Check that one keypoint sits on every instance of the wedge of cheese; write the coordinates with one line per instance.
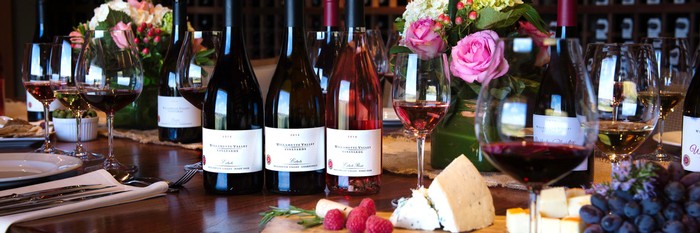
(553, 203)
(461, 197)
(415, 212)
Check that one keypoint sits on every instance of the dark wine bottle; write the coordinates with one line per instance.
(332, 43)
(294, 116)
(690, 144)
(42, 34)
(354, 114)
(556, 100)
(178, 119)
(232, 116)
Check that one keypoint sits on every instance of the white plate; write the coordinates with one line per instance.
(18, 169)
(672, 138)
(19, 142)
(389, 117)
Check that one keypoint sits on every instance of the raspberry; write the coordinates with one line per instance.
(368, 203)
(334, 220)
(356, 220)
(378, 225)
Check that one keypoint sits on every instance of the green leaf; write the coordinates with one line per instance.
(533, 17)
(492, 19)
(205, 53)
(112, 19)
(500, 93)
(452, 9)
(399, 23)
(399, 49)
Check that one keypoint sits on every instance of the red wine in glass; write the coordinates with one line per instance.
(110, 101)
(535, 163)
(420, 116)
(194, 95)
(41, 90)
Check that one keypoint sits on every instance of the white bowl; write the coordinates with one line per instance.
(66, 129)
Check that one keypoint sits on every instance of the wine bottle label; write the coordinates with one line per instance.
(177, 112)
(691, 144)
(354, 153)
(34, 105)
(232, 151)
(294, 150)
(558, 129)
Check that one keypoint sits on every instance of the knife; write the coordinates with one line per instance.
(54, 196)
(55, 203)
(45, 191)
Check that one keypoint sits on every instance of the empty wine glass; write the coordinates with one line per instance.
(66, 53)
(420, 96)
(675, 73)
(38, 80)
(196, 62)
(625, 81)
(110, 76)
(323, 47)
(505, 123)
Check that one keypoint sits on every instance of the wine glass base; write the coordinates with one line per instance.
(91, 161)
(658, 157)
(195, 166)
(119, 171)
(51, 150)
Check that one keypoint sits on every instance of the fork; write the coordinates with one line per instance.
(172, 186)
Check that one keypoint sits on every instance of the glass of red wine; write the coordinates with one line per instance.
(675, 72)
(420, 96)
(66, 52)
(196, 62)
(507, 122)
(39, 81)
(624, 78)
(109, 76)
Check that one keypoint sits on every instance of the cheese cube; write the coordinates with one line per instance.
(575, 204)
(575, 192)
(549, 224)
(571, 224)
(553, 203)
(518, 220)
(461, 197)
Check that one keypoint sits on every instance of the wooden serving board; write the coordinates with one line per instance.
(282, 224)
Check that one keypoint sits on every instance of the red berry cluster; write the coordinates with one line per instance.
(464, 12)
(362, 218)
(145, 34)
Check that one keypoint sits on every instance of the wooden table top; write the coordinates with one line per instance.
(192, 210)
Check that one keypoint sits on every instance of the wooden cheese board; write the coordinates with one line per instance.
(283, 224)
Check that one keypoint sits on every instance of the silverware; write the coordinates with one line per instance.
(8, 204)
(172, 186)
(54, 203)
(44, 192)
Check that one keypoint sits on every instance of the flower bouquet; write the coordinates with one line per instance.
(468, 30)
(152, 28)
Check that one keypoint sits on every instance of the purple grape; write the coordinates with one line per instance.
(645, 223)
(600, 202)
(675, 191)
(611, 222)
(690, 179)
(693, 193)
(627, 227)
(674, 227)
(675, 171)
(673, 212)
(659, 219)
(632, 209)
(693, 209)
(651, 206)
(617, 205)
(593, 228)
(590, 214)
(691, 225)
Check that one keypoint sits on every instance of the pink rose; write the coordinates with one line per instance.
(119, 36)
(526, 28)
(479, 57)
(141, 5)
(76, 39)
(422, 39)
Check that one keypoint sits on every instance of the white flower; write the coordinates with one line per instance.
(100, 15)
(419, 9)
(497, 5)
(119, 5)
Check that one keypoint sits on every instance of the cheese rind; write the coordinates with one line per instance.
(553, 203)
(461, 197)
(415, 212)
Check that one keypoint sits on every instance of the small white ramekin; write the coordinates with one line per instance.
(65, 129)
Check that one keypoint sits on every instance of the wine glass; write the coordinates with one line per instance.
(420, 96)
(66, 51)
(377, 50)
(196, 62)
(506, 123)
(625, 81)
(675, 73)
(109, 77)
(323, 47)
(38, 80)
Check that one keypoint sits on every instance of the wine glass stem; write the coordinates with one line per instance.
(534, 209)
(420, 141)
(47, 139)
(79, 151)
(660, 147)
(110, 137)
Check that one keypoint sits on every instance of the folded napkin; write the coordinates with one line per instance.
(96, 177)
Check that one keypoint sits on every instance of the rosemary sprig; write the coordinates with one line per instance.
(307, 218)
